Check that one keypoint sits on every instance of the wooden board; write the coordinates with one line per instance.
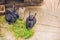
(2, 8)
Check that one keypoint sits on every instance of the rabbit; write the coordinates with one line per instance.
(30, 21)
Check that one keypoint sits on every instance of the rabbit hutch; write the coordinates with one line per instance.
(9, 3)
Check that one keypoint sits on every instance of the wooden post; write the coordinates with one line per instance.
(2, 8)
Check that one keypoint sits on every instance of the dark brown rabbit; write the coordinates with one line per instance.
(30, 21)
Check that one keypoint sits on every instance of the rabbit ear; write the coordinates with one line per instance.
(35, 14)
(29, 13)
(14, 6)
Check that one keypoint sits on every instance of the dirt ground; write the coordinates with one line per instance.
(48, 22)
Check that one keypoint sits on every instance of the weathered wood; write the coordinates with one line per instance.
(2, 1)
(25, 3)
(2, 8)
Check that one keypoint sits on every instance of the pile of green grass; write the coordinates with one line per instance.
(19, 29)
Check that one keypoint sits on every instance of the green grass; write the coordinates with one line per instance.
(2, 19)
(18, 29)
(1, 34)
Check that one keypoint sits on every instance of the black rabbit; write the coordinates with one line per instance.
(30, 21)
(11, 16)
